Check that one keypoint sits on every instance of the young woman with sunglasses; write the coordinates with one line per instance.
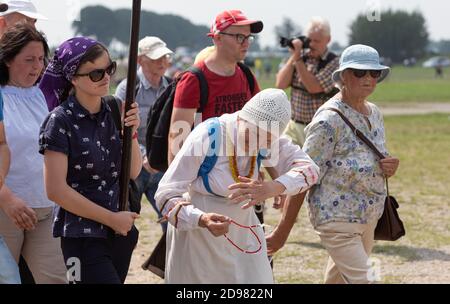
(82, 154)
(347, 203)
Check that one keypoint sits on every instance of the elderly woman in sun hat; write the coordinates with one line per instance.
(213, 236)
(348, 199)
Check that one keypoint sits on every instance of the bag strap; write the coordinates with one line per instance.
(204, 94)
(361, 136)
(113, 104)
(249, 75)
(214, 135)
(358, 133)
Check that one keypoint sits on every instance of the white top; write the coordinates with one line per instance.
(296, 169)
(24, 111)
(193, 254)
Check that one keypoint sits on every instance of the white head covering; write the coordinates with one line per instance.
(24, 7)
(268, 107)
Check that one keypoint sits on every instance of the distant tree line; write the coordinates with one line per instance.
(398, 35)
(107, 24)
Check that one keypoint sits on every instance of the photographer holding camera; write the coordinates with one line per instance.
(308, 72)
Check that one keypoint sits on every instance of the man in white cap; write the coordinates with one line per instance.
(154, 60)
(19, 11)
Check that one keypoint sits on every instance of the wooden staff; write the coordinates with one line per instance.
(131, 81)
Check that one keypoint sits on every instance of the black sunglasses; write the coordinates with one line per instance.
(99, 74)
(362, 73)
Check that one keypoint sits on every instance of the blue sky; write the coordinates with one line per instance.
(339, 13)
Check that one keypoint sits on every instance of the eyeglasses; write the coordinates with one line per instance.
(99, 74)
(240, 38)
(362, 73)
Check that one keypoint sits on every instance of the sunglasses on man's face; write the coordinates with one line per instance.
(98, 74)
(362, 73)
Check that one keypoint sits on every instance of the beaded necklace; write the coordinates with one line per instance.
(232, 162)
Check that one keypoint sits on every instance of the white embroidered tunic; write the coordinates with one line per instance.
(194, 255)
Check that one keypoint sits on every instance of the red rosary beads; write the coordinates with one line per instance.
(253, 232)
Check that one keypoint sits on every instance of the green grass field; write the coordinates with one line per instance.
(421, 186)
(404, 85)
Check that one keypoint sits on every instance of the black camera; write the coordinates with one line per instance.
(287, 42)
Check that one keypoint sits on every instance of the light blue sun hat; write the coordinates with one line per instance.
(360, 57)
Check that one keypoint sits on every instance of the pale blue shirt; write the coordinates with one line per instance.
(24, 110)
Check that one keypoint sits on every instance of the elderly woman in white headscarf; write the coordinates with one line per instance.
(214, 236)
(348, 200)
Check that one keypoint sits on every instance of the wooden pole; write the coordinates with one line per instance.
(131, 81)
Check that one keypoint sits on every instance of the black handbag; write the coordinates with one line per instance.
(389, 227)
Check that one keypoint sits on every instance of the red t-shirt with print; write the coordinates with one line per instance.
(227, 94)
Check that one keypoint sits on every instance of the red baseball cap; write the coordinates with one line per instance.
(234, 17)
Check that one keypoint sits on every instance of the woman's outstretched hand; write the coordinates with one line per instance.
(254, 191)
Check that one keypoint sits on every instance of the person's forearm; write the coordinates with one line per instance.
(284, 76)
(272, 172)
(291, 209)
(79, 205)
(170, 154)
(5, 159)
(136, 159)
(6, 195)
(307, 78)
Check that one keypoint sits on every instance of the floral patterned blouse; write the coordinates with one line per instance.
(351, 184)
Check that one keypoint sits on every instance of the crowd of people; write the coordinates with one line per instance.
(60, 155)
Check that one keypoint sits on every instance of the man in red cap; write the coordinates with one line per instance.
(228, 86)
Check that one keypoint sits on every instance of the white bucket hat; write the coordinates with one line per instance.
(269, 106)
(360, 57)
(24, 7)
(153, 47)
